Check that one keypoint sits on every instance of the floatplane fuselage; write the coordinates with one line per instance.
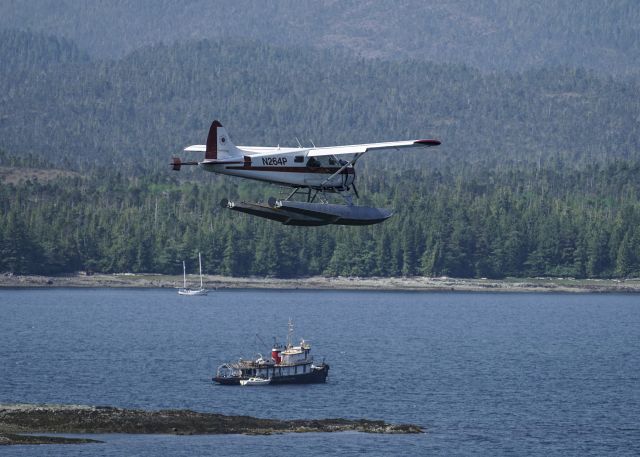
(318, 170)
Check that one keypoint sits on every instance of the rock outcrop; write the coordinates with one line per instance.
(16, 419)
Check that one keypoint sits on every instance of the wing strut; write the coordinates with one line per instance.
(342, 168)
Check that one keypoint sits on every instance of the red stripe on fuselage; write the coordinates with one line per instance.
(323, 170)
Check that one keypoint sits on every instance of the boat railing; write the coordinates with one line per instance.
(228, 370)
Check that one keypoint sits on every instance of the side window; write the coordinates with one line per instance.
(298, 159)
(313, 163)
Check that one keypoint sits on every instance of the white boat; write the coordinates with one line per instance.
(187, 291)
(255, 381)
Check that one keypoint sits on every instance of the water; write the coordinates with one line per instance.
(485, 374)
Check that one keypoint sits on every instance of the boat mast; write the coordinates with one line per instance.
(200, 262)
(184, 273)
(290, 334)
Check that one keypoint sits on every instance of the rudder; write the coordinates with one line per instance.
(219, 146)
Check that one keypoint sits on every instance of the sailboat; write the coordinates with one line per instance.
(185, 290)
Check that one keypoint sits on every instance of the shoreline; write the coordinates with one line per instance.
(424, 284)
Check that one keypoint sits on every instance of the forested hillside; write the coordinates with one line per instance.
(486, 34)
(136, 112)
(471, 222)
(538, 173)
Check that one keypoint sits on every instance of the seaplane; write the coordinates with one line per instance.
(311, 172)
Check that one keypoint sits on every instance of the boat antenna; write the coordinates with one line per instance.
(290, 333)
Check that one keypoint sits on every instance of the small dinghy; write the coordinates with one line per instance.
(255, 382)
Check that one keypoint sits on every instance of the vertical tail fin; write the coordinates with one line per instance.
(219, 146)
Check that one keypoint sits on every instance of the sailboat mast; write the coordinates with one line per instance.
(200, 262)
(184, 274)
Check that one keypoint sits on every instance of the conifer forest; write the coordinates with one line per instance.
(538, 173)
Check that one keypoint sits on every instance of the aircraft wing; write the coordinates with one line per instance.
(362, 148)
(332, 150)
(247, 149)
(196, 148)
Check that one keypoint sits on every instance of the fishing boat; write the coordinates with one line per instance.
(187, 291)
(288, 364)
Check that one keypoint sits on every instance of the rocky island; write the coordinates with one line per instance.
(16, 419)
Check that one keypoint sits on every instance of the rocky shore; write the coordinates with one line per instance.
(10, 438)
(418, 283)
(16, 419)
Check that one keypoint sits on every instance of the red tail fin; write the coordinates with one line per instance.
(212, 141)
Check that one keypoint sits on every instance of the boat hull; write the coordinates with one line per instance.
(317, 376)
(192, 292)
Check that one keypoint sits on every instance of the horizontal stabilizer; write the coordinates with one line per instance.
(177, 163)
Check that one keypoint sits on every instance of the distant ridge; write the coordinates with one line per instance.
(136, 111)
(486, 34)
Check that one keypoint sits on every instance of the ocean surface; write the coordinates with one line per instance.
(484, 374)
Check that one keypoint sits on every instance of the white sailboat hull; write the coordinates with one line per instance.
(192, 292)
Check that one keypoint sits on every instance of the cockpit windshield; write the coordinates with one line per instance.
(324, 161)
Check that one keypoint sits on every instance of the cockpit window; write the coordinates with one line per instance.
(322, 161)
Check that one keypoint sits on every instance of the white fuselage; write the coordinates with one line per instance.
(322, 169)
(286, 166)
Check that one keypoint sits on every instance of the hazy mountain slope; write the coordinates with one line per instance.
(36, 49)
(487, 34)
(145, 107)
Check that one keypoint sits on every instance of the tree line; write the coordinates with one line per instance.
(472, 222)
